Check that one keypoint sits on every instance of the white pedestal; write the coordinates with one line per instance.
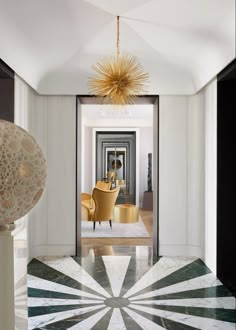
(13, 277)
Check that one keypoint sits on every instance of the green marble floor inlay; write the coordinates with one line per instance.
(41, 270)
(165, 323)
(36, 311)
(129, 293)
(216, 291)
(39, 293)
(228, 315)
(193, 270)
(129, 322)
(67, 322)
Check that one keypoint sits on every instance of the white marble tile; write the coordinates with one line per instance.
(34, 302)
(38, 283)
(21, 291)
(23, 313)
(90, 321)
(71, 268)
(205, 281)
(21, 297)
(142, 321)
(116, 268)
(220, 302)
(20, 303)
(165, 266)
(42, 320)
(21, 323)
(116, 321)
(194, 321)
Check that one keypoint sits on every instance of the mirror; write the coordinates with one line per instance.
(115, 162)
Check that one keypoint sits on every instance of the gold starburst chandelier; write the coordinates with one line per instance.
(119, 78)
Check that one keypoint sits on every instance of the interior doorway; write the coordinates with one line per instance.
(85, 170)
(116, 154)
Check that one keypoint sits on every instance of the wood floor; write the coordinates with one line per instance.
(103, 246)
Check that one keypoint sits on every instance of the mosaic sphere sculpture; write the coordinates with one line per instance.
(22, 172)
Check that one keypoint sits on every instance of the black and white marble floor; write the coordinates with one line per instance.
(127, 292)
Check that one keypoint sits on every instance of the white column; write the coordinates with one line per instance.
(173, 157)
(13, 283)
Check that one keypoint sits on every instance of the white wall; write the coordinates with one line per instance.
(202, 174)
(181, 177)
(38, 218)
(173, 128)
(188, 175)
(210, 174)
(23, 103)
(51, 120)
(196, 173)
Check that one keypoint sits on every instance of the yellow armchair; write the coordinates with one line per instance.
(102, 210)
(87, 200)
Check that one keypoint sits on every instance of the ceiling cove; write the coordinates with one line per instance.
(53, 44)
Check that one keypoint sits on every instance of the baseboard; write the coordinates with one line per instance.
(52, 250)
(69, 249)
(180, 250)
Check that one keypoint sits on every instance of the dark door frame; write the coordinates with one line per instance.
(7, 91)
(145, 99)
(226, 103)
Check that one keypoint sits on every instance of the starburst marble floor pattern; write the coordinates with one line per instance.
(126, 292)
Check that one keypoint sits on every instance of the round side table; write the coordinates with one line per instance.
(126, 213)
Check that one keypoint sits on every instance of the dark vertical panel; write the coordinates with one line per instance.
(78, 177)
(6, 92)
(7, 99)
(226, 165)
(156, 178)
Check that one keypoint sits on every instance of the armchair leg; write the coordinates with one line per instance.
(94, 225)
(110, 224)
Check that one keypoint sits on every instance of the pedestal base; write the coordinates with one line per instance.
(13, 275)
(148, 200)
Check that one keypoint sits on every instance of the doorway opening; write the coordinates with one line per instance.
(106, 135)
(116, 162)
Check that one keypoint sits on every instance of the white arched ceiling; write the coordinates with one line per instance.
(52, 45)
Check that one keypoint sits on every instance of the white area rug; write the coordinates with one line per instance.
(118, 229)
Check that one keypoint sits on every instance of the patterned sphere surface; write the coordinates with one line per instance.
(22, 172)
